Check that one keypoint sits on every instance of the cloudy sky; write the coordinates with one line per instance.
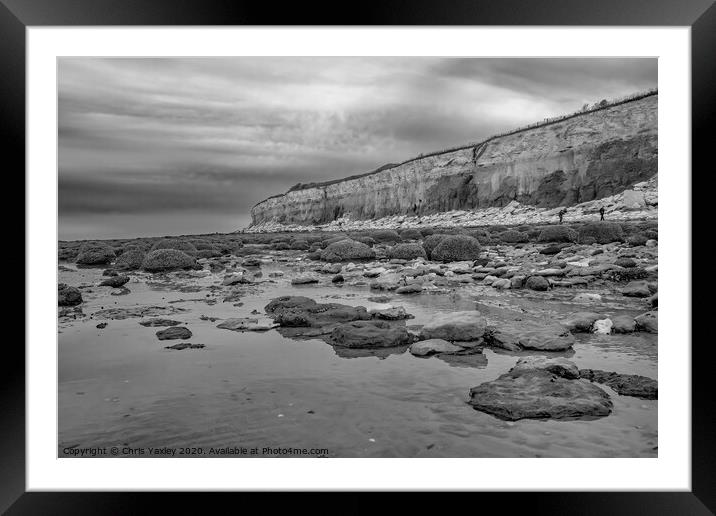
(187, 145)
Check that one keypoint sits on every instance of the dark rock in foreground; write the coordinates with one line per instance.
(625, 384)
(68, 296)
(545, 391)
(175, 332)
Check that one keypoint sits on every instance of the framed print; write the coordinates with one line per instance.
(270, 251)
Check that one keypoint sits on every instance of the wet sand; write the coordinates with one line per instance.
(119, 386)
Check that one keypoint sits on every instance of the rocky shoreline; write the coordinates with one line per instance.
(588, 266)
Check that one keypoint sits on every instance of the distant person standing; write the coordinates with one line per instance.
(601, 213)
(561, 214)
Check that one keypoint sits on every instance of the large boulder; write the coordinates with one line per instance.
(581, 321)
(557, 234)
(623, 324)
(601, 232)
(68, 296)
(162, 260)
(514, 237)
(625, 384)
(539, 283)
(175, 243)
(407, 252)
(539, 394)
(369, 334)
(456, 248)
(94, 253)
(130, 259)
(385, 236)
(456, 326)
(411, 234)
(431, 242)
(347, 250)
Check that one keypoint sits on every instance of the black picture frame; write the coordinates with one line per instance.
(700, 15)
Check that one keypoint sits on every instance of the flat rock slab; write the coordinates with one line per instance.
(413, 288)
(540, 395)
(625, 384)
(136, 311)
(185, 345)
(530, 335)
(246, 324)
(304, 280)
(465, 325)
(175, 332)
(158, 321)
(396, 313)
(369, 334)
(433, 346)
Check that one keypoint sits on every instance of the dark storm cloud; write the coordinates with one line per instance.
(187, 139)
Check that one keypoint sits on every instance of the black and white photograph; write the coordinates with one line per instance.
(388, 257)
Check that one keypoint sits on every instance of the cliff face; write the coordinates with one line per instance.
(578, 159)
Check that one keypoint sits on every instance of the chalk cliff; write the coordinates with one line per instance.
(570, 160)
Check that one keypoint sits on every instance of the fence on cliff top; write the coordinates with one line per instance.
(547, 121)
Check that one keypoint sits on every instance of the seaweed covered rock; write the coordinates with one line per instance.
(407, 251)
(176, 244)
(130, 259)
(514, 237)
(456, 248)
(385, 236)
(95, 254)
(432, 241)
(347, 250)
(411, 234)
(161, 260)
(557, 234)
(68, 296)
(601, 232)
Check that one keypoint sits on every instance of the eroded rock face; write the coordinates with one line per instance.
(533, 393)
(586, 157)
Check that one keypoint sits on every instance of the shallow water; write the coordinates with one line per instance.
(119, 386)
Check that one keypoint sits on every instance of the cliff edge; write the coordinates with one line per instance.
(561, 162)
